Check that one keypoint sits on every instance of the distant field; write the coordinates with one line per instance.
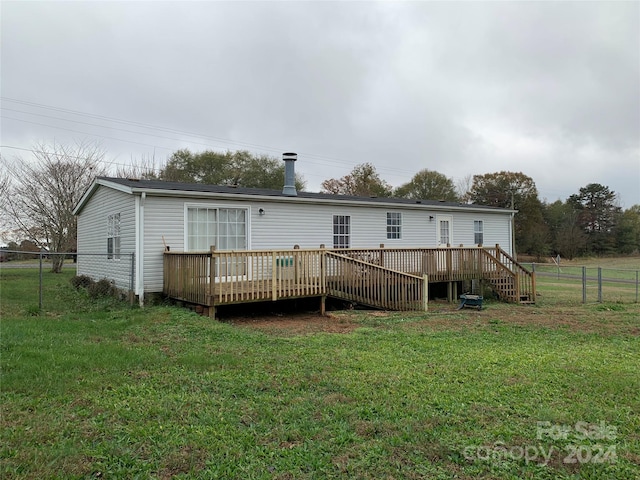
(622, 263)
(94, 389)
(563, 284)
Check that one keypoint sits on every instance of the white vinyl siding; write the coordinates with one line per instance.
(285, 223)
(93, 226)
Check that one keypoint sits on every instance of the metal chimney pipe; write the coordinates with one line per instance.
(289, 174)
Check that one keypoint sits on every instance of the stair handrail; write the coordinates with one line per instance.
(498, 263)
(385, 271)
(370, 265)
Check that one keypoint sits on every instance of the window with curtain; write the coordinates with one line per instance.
(226, 228)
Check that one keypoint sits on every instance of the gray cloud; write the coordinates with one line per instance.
(547, 88)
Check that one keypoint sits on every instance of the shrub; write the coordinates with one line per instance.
(102, 288)
(81, 281)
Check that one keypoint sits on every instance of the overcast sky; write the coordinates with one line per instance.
(550, 89)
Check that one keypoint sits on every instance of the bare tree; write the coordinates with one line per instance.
(4, 196)
(463, 187)
(145, 169)
(4, 186)
(45, 190)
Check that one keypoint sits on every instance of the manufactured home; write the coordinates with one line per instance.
(186, 237)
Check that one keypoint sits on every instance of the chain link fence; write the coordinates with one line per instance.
(42, 278)
(588, 284)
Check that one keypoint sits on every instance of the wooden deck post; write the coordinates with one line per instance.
(323, 305)
(274, 280)
(425, 293)
(297, 268)
(212, 279)
(533, 286)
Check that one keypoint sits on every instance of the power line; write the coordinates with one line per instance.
(321, 159)
(56, 154)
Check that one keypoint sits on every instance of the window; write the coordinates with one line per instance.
(341, 231)
(445, 231)
(113, 237)
(394, 225)
(478, 232)
(226, 228)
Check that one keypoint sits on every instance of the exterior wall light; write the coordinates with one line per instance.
(261, 212)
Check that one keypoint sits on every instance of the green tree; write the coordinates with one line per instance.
(628, 231)
(566, 236)
(363, 181)
(518, 191)
(430, 185)
(240, 168)
(598, 215)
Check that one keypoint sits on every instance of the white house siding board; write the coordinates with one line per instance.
(289, 223)
(92, 237)
(163, 218)
(495, 229)
(497, 232)
(309, 225)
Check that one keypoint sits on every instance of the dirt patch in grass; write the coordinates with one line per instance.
(447, 317)
(297, 323)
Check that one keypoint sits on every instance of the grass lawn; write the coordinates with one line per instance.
(97, 389)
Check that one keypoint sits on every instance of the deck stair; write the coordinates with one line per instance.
(509, 279)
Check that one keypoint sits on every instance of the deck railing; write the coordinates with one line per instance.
(367, 276)
(370, 284)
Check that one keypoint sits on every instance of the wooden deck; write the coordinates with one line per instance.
(394, 279)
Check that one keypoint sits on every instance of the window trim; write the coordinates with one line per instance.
(394, 228)
(216, 206)
(338, 235)
(477, 232)
(114, 236)
(439, 219)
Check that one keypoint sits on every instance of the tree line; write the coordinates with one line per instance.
(38, 197)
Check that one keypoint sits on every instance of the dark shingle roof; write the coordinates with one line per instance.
(265, 192)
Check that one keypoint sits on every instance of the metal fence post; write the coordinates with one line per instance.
(599, 284)
(636, 286)
(40, 285)
(584, 284)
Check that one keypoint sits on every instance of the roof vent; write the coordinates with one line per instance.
(289, 174)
